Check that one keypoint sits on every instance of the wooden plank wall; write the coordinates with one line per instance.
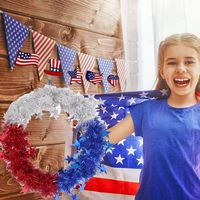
(87, 26)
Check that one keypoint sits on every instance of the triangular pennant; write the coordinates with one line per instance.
(121, 70)
(105, 67)
(67, 57)
(16, 34)
(43, 47)
(86, 62)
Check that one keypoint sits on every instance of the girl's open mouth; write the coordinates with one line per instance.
(181, 82)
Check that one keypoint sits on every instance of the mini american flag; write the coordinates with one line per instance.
(94, 77)
(124, 160)
(76, 76)
(16, 34)
(113, 79)
(26, 59)
(121, 71)
(43, 47)
(87, 62)
(54, 65)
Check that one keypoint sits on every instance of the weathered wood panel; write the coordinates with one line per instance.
(91, 27)
(93, 15)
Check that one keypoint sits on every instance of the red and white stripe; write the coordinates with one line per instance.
(78, 78)
(118, 183)
(86, 62)
(121, 71)
(33, 60)
(97, 79)
(55, 64)
(43, 47)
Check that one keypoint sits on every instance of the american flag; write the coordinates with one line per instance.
(94, 77)
(121, 71)
(54, 65)
(26, 59)
(16, 34)
(124, 160)
(87, 62)
(113, 79)
(76, 76)
(105, 67)
(43, 47)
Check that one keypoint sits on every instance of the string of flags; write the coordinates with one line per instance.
(16, 34)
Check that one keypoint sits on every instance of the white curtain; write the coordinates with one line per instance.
(155, 20)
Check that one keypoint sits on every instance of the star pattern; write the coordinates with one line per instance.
(67, 58)
(16, 33)
(105, 67)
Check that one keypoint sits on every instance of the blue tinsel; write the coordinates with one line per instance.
(91, 148)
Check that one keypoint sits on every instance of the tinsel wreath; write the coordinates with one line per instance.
(91, 145)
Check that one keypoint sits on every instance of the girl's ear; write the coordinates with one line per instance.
(161, 73)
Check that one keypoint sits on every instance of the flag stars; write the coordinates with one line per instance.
(164, 92)
(103, 109)
(114, 116)
(140, 142)
(101, 101)
(121, 142)
(121, 97)
(144, 94)
(119, 159)
(132, 101)
(110, 150)
(140, 160)
(131, 151)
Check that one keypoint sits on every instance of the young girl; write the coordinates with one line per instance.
(170, 127)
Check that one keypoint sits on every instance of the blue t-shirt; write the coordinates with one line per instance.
(171, 150)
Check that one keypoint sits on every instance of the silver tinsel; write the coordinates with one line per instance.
(54, 100)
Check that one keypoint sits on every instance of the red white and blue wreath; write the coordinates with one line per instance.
(17, 151)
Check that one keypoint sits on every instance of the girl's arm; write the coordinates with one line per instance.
(121, 130)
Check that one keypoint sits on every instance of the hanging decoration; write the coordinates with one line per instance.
(113, 79)
(86, 62)
(55, 68)
(67, 57)
(16, 34)
(121, 71)
(93, 77)
(105, 67)
(43, 47)
(76, 76)
(17, 152)
(27, 59)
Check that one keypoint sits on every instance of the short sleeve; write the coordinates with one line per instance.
(137, 112)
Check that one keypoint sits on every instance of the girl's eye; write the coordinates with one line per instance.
(189, 62)
(171, 63)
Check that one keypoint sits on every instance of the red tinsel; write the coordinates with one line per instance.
(17, 152)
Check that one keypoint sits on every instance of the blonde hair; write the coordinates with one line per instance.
(187, 39)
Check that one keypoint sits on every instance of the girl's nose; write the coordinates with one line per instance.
(181, 68)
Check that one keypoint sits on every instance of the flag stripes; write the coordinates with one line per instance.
(43, 46)
(121, 70)
(54, 65)
(76, 76)
(25, 59)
